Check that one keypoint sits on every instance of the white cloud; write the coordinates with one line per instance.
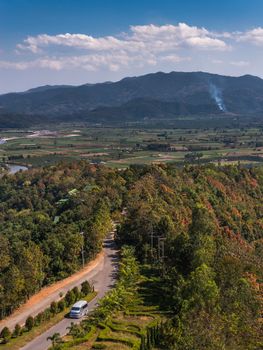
(216, 61)
(14, 65)
(174, 58)
(206, 43)
(79, 41)
(143, 46)
(232, 63)
(172, 36)
(112, 62)
(224, 35)
(254, 36)
(145, 38)
(240, 63)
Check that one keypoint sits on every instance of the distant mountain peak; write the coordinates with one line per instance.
(46, 87)
(166, 95)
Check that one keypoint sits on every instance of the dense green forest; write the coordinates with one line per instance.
(208, 221)
(211, 221)
(42, 213)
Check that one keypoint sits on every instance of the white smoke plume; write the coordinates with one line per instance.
(216, 94)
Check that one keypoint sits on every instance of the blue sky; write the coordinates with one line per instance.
(74, 42)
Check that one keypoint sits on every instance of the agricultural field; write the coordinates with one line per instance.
(122, 146)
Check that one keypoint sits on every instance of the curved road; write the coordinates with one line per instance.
(103, 278)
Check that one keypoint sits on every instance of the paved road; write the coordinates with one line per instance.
(42, 300)
(103, 278)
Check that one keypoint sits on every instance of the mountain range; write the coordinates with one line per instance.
(157, 96)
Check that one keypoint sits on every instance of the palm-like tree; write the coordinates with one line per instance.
(55, 339)
(74, 330)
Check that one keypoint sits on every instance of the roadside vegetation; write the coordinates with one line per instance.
(34, 326)
(47, 216)
(127, 316)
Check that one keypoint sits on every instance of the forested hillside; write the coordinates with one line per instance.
(42, 213)
(18, 120)
(210, 220)
(152, 96)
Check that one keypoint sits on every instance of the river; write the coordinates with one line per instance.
(14, 168)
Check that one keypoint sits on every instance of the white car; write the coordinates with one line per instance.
(79, 309)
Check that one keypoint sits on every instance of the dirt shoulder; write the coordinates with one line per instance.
(45, 296)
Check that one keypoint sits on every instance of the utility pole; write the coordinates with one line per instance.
(82, 250)
(152, 242)
(161, 247)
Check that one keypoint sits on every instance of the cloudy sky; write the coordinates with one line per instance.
(81, 41)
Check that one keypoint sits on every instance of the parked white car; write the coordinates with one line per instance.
(79, 309)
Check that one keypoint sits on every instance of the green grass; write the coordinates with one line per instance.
(124, 329)
(90, 336)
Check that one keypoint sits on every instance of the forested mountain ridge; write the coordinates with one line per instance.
(231, 195)
(174, 94)
(42, 213)
(211, 222)
(211, 219)
(18, 120)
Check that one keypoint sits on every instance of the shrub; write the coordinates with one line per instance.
(70, 297)
(85, 288)
(23, 330)
(76, 292)
(99, 346)
(39, 318)
(29, 323)
(53, 307)
(17, 331)
(47, 314)
(61, 305)
(5, 335)
(56, 340)
(75, 331)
